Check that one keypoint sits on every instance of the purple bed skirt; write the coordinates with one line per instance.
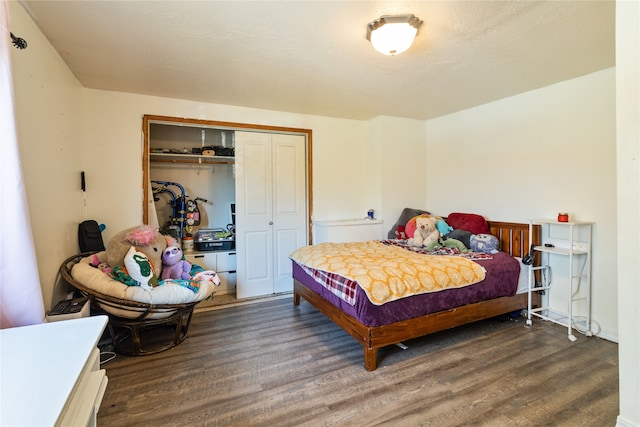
(501, 281)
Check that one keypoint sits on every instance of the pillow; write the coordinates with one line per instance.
(405, 216)
(473, 223)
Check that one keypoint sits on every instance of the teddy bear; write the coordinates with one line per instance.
(173, 266)
(145, 239)
(426, 232)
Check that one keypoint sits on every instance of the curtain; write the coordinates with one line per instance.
(20, 293)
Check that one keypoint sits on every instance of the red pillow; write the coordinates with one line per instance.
(474, 224)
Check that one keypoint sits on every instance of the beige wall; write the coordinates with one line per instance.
(534, 155)
(49, 120)
(113, 124)
(397, 168)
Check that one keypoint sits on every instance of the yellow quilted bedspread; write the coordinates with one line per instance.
(387, 273)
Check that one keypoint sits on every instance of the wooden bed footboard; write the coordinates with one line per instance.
(514, 239)
(374, 337)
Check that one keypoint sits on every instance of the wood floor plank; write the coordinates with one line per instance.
(273, 364)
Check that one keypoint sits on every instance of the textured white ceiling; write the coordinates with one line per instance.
(312, 56)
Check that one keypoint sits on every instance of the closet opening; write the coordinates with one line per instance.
(212, 185)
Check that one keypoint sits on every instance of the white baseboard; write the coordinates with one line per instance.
(621, 422)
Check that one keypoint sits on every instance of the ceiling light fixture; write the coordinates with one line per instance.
(393, 34)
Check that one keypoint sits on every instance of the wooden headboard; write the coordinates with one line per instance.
(514, 237)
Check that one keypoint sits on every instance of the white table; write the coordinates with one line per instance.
(50, 373)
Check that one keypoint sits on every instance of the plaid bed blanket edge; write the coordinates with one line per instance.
(345, 289)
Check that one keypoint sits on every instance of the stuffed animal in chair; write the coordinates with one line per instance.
(140, 269)
(145, 239)
(173, 266)
(426, 232)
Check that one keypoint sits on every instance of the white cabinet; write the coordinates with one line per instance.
(51, 373)
(564, 273)
(350, 230)
(223, 263)
(271, 209)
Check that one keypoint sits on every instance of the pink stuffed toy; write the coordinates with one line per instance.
(173, 266)
(145, 238)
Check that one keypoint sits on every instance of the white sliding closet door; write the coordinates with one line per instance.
(271, 215)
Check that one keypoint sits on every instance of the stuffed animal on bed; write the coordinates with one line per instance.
(145, 239)
(426, 232)
(400, 233)
(486, 243)
(410, 226)
(443, 227)
(173, 266)
(448, 243)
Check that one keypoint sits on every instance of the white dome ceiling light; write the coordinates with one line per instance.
(393, 34)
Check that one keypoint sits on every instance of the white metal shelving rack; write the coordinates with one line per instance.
(579, 277)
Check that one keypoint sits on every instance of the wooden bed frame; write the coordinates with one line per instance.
(514, 239)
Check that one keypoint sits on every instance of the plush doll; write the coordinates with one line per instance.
(484, 243)
(410, 226)
(448, 243)
(145, 239)
(461, 235)
(209, 275)
(140, 269)
(426, 232)
(400, 233)
(443, 227)
(96, 262)
(173, 266)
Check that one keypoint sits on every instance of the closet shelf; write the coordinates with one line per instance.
(190, 158)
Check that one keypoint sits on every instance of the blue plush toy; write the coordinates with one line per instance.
(443, 227)
(486, 243)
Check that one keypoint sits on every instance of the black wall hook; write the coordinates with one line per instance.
(18, 42)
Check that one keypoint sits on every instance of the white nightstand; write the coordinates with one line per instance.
(50, 373)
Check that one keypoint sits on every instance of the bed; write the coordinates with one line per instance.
(376, 326)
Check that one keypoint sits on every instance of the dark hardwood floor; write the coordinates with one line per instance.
(272, 364)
